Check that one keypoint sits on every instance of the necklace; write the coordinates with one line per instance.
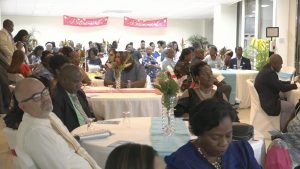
(217, 164)
(205, 95)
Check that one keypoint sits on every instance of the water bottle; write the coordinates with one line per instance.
(128, 83)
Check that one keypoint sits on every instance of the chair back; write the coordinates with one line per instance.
(14, 77)
(11, 137)
(24, 160)
(258, 117)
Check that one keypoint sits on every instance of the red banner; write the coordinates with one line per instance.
(158, 23)
(85, 22)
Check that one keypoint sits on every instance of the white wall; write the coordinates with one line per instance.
(225, 23)
(52, 29)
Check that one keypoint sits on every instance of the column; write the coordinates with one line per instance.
(225, 26)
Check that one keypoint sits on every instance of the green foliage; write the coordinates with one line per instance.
(258, 50)
(198, 41)
(168, 86)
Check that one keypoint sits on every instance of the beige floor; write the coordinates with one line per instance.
(6, 161)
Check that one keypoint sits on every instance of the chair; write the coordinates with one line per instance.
(10, 136)
(24, 160)
(20, 158)
(258, 117)
(14, 77)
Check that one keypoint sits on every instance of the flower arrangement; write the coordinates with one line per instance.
(119, 61)
(168, 86)
(222, 52)
(64, 43)
(182, 43)
(118, 64)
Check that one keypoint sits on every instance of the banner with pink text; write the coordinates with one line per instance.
(140, 23)
(85, 22)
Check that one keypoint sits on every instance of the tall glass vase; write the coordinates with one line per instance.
(168, 104)
(117, 75)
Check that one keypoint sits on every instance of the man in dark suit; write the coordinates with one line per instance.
(239, 61)
(268, 87)
(69, 101)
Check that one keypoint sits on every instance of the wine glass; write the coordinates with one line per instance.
(126, 118)
(126, 115)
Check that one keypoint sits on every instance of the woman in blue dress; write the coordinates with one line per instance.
(213, 148)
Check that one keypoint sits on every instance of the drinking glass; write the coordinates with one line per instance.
(89, 122)
(126, 115)
(126, 119)
(110, 88)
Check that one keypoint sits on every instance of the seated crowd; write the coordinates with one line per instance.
(49, 103)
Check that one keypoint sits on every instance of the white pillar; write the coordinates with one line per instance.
(283, 22)
(292, 33)
(208, 26)
(224, 27)
(0, 17)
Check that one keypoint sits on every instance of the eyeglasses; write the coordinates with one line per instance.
(38, 96)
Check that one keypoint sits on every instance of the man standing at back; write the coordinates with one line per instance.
(213, 60)
(268, 87)
(6, 43)
(41, 134)
(6, 52)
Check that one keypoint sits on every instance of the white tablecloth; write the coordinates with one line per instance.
(137, 131)
(293, 96)
(241, 88)
(112, 105)
(97, 82)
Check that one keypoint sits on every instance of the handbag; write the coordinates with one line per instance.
(242, 131)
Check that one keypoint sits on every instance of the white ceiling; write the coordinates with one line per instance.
(113, 8)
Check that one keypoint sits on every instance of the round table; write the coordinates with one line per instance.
(111, 103)
(137, 130)
(237, 80)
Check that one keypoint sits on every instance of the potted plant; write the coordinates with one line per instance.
(258, 52)
(198, 41)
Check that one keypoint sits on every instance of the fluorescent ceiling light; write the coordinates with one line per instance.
(117, 11)
(264, 6)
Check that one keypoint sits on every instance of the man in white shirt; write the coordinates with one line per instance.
(213, 60)
(37, 137)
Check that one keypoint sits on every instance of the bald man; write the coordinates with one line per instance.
(268, 87)
(69, 101)
(36, 136)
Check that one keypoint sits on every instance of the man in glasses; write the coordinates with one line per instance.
(41, 135)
